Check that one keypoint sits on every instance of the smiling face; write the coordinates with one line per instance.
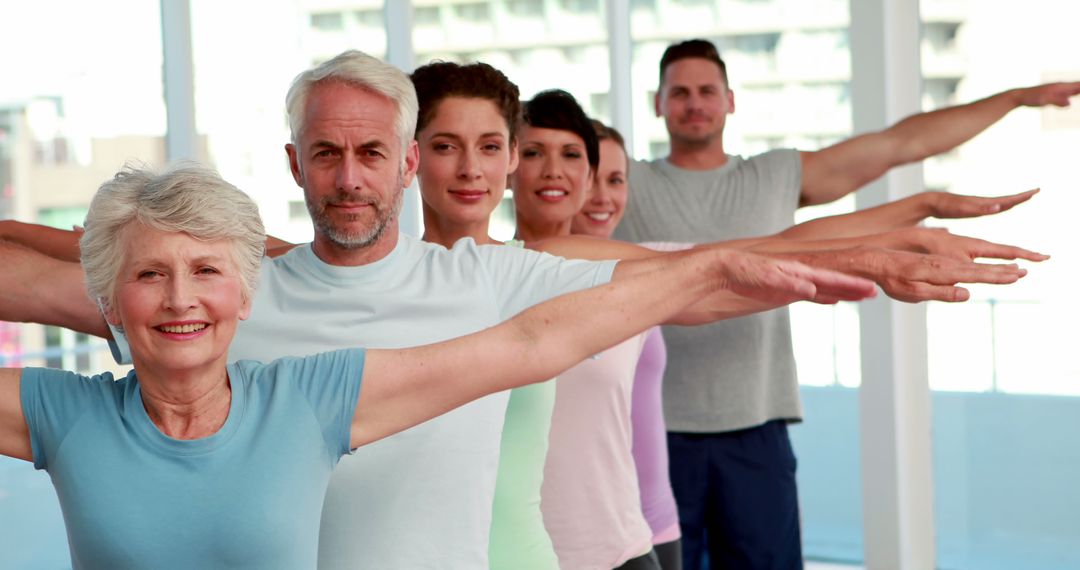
(348, 161)
(605, 203)
(465, 155)
(552, 178)
(178, 299)
(694, 101)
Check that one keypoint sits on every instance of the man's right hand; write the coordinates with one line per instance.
(914, 277)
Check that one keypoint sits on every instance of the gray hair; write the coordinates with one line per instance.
(358, 69)
(186, 198)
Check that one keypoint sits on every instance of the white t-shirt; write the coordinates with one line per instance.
(421, 498)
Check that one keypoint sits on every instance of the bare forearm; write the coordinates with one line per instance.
(37, 288)
(405, 387)
(928, 134)
(901, 213)
(55, 243)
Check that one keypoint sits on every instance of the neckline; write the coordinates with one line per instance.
(151, 435)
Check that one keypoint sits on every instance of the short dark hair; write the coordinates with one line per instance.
(557, 109)
(441, 79)
(695, 48)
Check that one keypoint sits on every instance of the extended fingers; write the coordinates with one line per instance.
(917, 291)
(1007, 202)
(962, 206)
(841, 287)
(938, 270)
(991, 250)
(1060, 93)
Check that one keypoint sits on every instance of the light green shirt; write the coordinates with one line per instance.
(519, 540)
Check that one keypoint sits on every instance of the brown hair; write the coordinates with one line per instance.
(604, 132)
(696, 48)
(441, 79)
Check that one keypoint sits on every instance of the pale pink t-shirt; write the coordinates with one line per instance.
(590, 498)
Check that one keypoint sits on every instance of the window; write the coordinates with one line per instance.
(472, 12)
(525, 7)
(426, 15)
(581, 6)
(1005, 380)
(369, 18)
(69, 118)
(298, 211)
(328, 21)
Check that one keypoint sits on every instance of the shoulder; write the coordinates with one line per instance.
(292, 368)
(52, 380)
(776, 158)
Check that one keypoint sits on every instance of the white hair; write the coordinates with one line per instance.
(186, 198)
(359, 69)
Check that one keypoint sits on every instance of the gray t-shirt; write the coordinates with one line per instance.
(738, 373)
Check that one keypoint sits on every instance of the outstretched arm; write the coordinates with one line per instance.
(913, 264)
(36, 288)
(402, 388)
(903, 213)
(635, 259)
(911, 277)
(835, 171)
(55, 243)
(14, 434)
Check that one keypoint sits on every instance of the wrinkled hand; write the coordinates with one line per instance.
(939, 241)
(946, 205)
(780, 282)
(1056, 94)
(913, 277)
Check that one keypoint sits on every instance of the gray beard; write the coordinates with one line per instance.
(364, 238)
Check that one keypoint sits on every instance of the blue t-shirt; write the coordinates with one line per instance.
(248, 496)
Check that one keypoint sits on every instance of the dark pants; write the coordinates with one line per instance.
(643, 562)
(736, 495)
(669, 554)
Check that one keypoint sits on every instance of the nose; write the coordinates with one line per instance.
(599, 194)
(551, 168)
(180, 295)
(348, 176)
(469, 165)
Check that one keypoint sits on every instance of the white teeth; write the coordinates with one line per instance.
(183, 329)
(553, 193)
(599, 216)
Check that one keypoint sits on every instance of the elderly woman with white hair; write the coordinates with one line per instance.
(193, 462)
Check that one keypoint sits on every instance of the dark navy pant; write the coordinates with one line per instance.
(737, 498)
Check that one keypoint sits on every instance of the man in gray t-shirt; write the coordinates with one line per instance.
(730, 387)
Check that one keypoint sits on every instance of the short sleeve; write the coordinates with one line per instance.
(330, 381)
(522, 278)
(53, 401)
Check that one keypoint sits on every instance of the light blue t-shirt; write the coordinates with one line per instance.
(248, 496)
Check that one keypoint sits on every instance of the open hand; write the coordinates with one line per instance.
(939, 241)
(1057, 94)
(780, 282)
(947, 205)
(913, 277)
